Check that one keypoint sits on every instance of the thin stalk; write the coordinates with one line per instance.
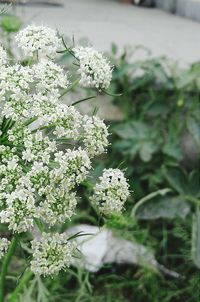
(73, 85)
(23, 281)
(83, 100)
(161, 192)
(112, 94)
(6, 262)
(192, 199)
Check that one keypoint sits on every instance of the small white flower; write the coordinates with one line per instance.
(20, 210)
(15, 79)
(38, 39)
(4, 244)
(51, 254)
(95, 135)
(18, 134)
(38, 148)
(18, 106)
(94, 69)
(67, 121)
(111, 192)
(43, 107)
(58, 206)
(49, 76)
(74, 166)
(39, 177)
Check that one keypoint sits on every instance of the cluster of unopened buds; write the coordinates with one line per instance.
(47, 147)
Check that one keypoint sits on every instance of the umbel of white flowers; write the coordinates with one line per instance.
(40, 171)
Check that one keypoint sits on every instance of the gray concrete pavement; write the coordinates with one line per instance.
(106, 21)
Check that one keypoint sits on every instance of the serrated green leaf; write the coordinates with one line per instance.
(138, 138)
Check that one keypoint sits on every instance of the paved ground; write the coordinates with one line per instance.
(106, 21)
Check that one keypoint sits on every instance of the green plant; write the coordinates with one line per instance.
(160, 103)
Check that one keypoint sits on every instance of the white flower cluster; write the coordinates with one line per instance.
(67, 120)
(4, 244)
(73, 167)
(15, 80)
(111, 192)
(95, 135)
(3, 56)
(49, 76)
(46, 147)
(51, 254)
(94, 69)
(39, 40)
(20, 208)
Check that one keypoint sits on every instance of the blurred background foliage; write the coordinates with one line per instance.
(157, 143)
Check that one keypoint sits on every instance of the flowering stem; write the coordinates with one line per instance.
(5, 265)
(23, 281)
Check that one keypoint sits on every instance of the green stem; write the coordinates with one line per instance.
(39, 225)
(83, 100)
(5, 265)
(192, 199)
(23, 281)
(72, 86)
(161, 192)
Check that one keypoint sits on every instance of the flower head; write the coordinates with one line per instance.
(18, 106)
(95, 136)
(38, 148)
(111, 192)
(67, 121)
(40, 39)
(49, 76)
(94, 69)
(15, 79)
(20, 209)
(73, 168)
(58, 206)
(52, 253)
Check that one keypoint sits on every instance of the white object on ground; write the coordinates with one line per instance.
(101, 246)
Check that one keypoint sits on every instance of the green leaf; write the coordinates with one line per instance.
(125, 131)
(172, 150)
(158, 109)
(10, 23)
(177, 178)
(147, 150)
(196, 238)
(194, 187)
(194, 129)
(164, 207)
(138, 138)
